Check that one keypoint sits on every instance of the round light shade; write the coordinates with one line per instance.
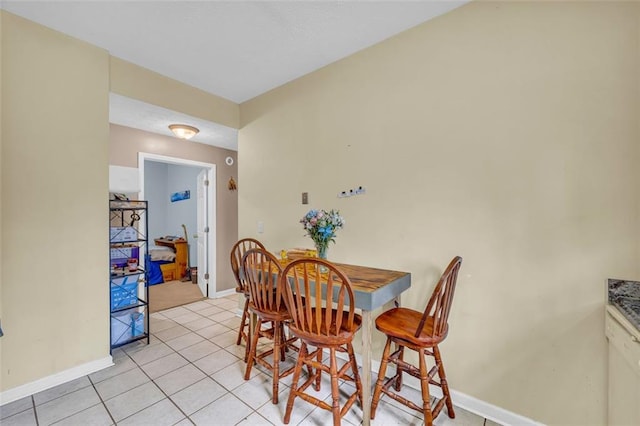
(183, 131)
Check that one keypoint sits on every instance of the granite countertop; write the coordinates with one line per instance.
(625, 295)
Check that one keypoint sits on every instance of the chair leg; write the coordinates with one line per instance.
(443, 382)
(277, 351)
(294, 383)
(335, 389)
(424, 384)
(356, 374)
(398, 381)
(381, 376)
(243, 322)
(251, 353)
(319, 371)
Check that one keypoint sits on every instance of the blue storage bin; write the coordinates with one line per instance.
(126, 325)
(124, 291)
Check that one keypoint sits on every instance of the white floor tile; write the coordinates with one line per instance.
(94, 416)
(200, 323)
(23, 418)
(215, 362)
(171, 333)
(121, 383)
(134, 400)
(122, 365)
(186, 318)
(227, 410)
(67, 405)
(199, 350)
(146, 354)
(255, 419)
(164, 365)
(225, 339)
(222, 316)
(179, 379)
(15, 407)
(198, 395)
(135, 389)
(162, 413)
(63, 389)
(210, 310)
(232, 376)
(184, 341)
(197, 306)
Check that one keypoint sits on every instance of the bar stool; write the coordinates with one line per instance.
(262, 272)
(399, 326)
(237, 251)
(323, 324)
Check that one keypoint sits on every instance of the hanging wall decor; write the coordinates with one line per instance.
(179, 196)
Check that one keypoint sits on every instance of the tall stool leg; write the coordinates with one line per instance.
(424, 384)
(443, 382)
(356, 374)
(277, 347)
(243, 323)
(294, 383)
(398, 381)
(335, 390)
(381, 376)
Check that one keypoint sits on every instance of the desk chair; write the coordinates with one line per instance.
(328, 322)
(238, 250)
(399, 325)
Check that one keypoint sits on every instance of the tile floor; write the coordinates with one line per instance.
(191, 373)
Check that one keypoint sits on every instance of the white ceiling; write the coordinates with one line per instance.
(233, 49)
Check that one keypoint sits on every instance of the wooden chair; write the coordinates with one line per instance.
(262, 272)
(399, 324)
(238, 250)
(324, 324)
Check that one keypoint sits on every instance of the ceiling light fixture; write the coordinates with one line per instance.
(183, 131)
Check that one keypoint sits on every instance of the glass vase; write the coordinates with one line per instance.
(322, 254)
(322, 251)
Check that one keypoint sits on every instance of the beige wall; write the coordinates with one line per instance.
(506, 133)
(126, 143)
(139, 83)
(55, 111)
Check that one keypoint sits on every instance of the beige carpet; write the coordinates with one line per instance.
(173, 293)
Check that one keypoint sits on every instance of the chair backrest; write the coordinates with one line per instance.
(308, 289)
(238, 250)
(439, 305)
(262, 272)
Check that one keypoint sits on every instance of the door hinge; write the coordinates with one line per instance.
(206, 230)
(206, 276)
(206, 182)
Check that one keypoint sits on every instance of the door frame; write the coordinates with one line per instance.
(211, 207)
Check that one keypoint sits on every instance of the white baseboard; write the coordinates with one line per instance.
(48, 382)
(462, 400)
(225, 293)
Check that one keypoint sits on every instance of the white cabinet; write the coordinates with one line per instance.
(624, 369)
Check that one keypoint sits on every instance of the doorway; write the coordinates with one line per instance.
(201, 235)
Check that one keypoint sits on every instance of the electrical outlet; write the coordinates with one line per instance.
(260, 227)
(305, 198)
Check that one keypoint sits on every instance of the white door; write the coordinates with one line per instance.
(202, 237)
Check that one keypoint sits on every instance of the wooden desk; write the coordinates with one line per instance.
(180, 247)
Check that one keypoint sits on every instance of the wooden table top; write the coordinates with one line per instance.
(373, 287)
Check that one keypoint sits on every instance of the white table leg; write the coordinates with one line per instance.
(367, 325)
